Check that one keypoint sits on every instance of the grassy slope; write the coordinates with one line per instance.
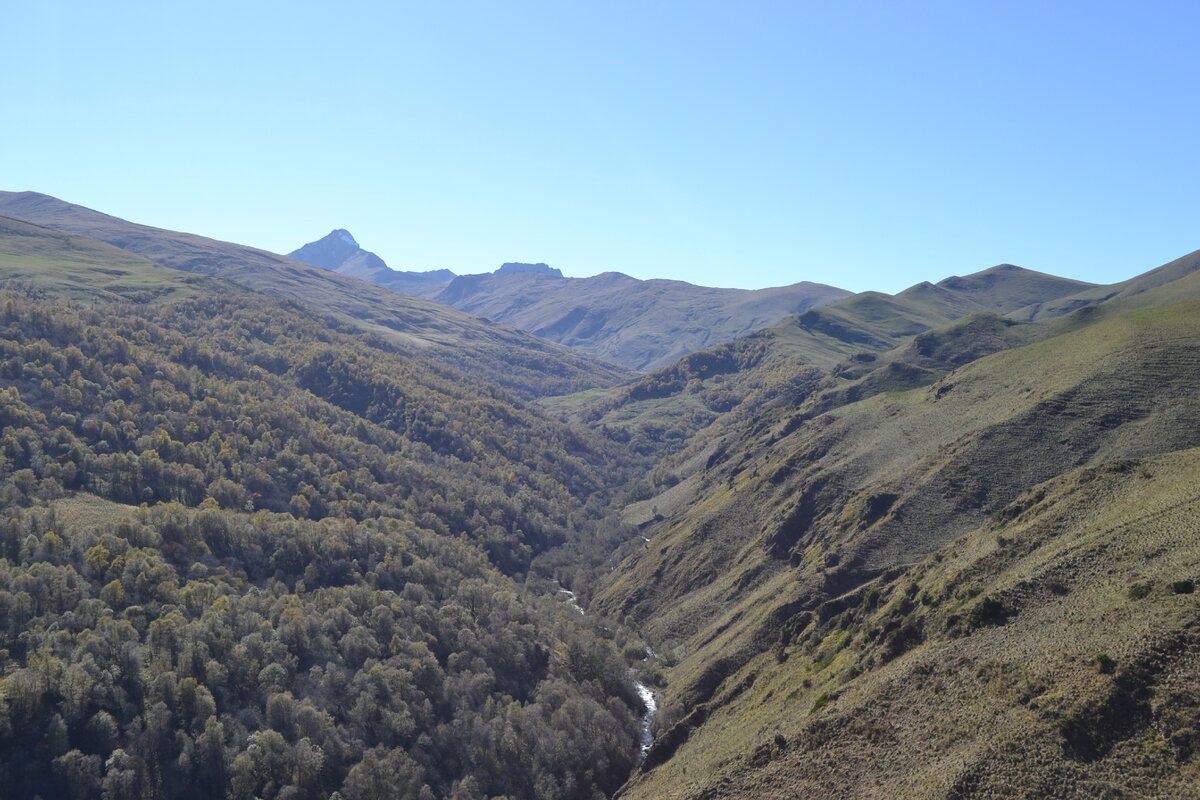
(81, 267)
(528, 365)
(1169, 273)
(1019, 709)
(799, 512)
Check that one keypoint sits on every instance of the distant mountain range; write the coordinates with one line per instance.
(635, 323)
(525, 364)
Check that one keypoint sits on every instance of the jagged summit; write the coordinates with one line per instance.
(512, 267)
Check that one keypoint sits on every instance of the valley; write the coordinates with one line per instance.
(272, 529)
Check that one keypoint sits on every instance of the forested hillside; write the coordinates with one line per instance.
(250, 551)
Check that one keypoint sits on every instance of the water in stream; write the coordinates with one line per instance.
(644, 691)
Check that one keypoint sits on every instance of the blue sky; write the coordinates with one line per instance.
(869, 145)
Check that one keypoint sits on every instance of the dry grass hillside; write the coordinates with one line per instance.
(1052, 652)
(796, 511)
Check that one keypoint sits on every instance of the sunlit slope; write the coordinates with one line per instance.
(1172, 280)
(521, 362)
(800, 508)
(77, 266)
(883, 480)
(1051, 652)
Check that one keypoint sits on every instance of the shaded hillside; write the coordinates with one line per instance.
(523, 363)
(340, 252)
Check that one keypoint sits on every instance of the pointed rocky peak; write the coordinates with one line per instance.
(329, 252)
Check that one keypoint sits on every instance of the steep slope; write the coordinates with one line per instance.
(1049, 653)
(638, 324)
(790, 516)
(340, 252)
(516, 360)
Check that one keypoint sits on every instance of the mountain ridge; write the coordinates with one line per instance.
(638, 324)
(523, 363)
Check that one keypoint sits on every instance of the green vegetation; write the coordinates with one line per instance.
(317, 591)
(75, 266)
(1139, 590)
(873, 541)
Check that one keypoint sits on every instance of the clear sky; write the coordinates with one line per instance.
(864, 144)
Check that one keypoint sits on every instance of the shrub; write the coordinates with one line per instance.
(989, 611)
(1139, 590)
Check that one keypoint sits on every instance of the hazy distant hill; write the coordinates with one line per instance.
(635, 323)
(516, 360)
(639, 324)
(341, 253)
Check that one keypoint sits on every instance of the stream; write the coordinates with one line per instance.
(644, 691)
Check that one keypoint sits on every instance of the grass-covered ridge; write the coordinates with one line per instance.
(84, 268)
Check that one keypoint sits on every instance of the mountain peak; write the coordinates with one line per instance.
(339, 251)
(344, 236)
(512, 267)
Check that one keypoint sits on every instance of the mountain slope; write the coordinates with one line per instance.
(790, 516)
(1050, 653)
(1169, 277)
(33, 256)
(523, 363)
(787, 361)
